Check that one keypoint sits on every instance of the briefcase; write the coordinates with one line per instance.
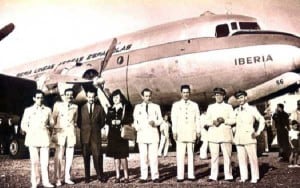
(128, 132)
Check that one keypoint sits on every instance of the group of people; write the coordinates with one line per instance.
(288, 135)
(146, 117)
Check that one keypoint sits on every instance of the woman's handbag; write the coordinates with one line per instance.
(127, 131)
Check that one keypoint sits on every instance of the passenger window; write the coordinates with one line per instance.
(222, 30)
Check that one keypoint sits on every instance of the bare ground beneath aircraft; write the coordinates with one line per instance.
(16, 173)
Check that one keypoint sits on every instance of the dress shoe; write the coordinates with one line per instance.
(87, 180)
(102, 179)
(117, 180)
(180, 180)
(69, 182)
(47, 184)
(126, 180)
(229, 180)
(156, 180)
(58, 184)
(142, 181)
(254, 181)
(210, 180)
(191, 179)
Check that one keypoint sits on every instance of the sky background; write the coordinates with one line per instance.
(47, 27)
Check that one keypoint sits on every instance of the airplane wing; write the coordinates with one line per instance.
(270, 87)
(6, 30)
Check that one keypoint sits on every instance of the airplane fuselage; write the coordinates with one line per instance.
(205, 52)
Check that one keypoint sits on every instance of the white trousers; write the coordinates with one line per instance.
(244, 152)
(59, 154)
(181, 148)
(148, 154)
(203, 149)
(163, 146)
(214, 151)
(35, 152)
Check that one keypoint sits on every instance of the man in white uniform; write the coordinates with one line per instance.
(185, 117)
(35, 123)
(65, 119)
(147, 117)
(245, 136)
(220, 118)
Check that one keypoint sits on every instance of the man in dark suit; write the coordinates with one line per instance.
(91, 120)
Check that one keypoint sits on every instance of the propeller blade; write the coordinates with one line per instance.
(108, 55)
(6, 30)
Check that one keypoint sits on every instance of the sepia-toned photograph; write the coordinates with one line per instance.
(149, 93)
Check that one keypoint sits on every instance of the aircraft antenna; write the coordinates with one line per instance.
(228, 7)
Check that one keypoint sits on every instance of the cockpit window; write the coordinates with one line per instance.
(249, 25)
(234, 26)
(222, 30)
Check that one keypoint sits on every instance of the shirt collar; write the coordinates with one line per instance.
(39, 107)
(185, 101)
(117, 106)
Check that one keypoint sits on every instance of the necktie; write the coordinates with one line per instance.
(91, 110)
(242, 108)
(147, 108)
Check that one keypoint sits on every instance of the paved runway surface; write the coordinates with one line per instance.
(16, 173)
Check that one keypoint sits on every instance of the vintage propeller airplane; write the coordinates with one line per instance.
(229, 51)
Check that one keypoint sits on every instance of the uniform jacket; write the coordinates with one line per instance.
(65, 115)
(245, 119)
(164, 128)
(145, 132)
(295, 115)
(90, 127)
(185, 120)
(35, 123)
(222, 133)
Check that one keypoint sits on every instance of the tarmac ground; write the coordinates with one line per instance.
(16, 173)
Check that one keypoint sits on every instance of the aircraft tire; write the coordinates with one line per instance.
(17, 148)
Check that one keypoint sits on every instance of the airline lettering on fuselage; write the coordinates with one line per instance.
(253, 59)
(37, 70)
(102, 53)
(77, 60)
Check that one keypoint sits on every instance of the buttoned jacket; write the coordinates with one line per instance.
(295, 115)
(245, 118)
(35, 122)
(65, 115)
(90, 126)
(145, 132)
(222, 133)
(185, 120)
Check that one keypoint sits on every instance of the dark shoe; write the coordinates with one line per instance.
(87, 180)
(210, 180)
(117, 180)
(126, 180)
(229, 180)
(192, 179)
(102, 179)
(142, 181)
(156, 181)
(180, 180)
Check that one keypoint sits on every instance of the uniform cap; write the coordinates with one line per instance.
(219, 90)
(240, 93)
